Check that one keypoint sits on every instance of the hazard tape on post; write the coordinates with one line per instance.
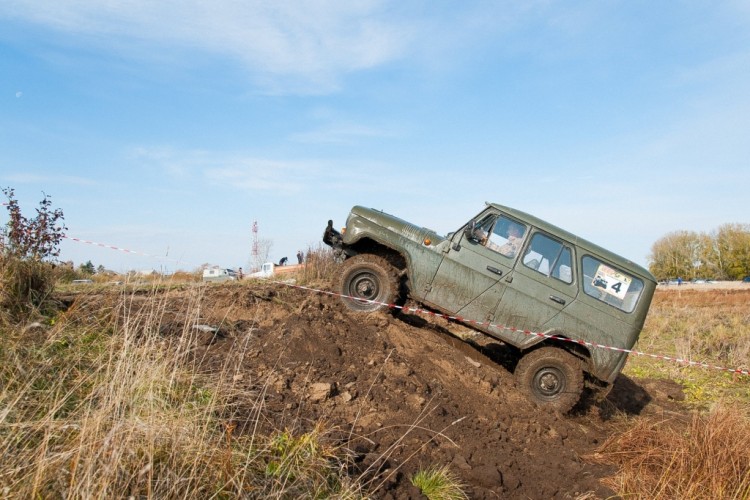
(461, 319)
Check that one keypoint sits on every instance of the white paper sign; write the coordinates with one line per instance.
(611, 281)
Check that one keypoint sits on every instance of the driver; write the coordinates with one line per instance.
(509, 248)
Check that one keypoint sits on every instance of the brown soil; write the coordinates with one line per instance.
(404, 392)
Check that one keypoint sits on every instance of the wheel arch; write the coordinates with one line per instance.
(566, 343)
(371, 246)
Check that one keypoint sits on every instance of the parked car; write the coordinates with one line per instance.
(219, 274)
(545, 280)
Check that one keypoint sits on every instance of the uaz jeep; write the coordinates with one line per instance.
(509, 273)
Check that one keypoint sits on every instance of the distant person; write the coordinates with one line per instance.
(283, 260)
(300, 256)
(240, 274)
(679, 281)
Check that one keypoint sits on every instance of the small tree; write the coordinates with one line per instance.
(264, 251)
(32, 239)
(675, 255)
(87, 268)
(732, 243)
(26, 247)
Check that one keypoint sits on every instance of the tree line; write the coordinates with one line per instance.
(722, 254)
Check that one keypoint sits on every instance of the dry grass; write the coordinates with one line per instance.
(102, 405)
(706, 457)
(319, 266)
(25, 288)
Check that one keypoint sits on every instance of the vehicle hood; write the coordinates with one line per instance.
(396, 225)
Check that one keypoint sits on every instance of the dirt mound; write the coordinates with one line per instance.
(405, 392)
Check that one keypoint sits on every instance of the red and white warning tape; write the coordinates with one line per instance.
(125, 250)
(660, 357)
(525, 332)
(79, 240)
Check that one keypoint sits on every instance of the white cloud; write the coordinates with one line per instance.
(261, 175)
(339, 133)
(20, 178)
(316, 41)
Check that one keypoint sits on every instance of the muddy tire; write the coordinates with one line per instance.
(367, 278)
(551, 377)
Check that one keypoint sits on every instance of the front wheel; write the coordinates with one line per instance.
(551, 377)
(367, 282)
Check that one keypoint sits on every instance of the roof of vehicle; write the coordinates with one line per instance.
(582, 243)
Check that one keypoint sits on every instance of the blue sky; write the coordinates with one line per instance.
(168, 127)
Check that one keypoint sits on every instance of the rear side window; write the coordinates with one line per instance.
(610, 285)
(549, 257)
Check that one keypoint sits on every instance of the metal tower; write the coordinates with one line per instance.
(256, 264)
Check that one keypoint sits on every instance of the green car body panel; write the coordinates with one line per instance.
(505, 296)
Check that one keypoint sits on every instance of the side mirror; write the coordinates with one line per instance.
(471, 232)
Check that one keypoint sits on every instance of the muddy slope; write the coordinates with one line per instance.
(403, 392)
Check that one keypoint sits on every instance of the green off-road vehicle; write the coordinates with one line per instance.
(512, 276)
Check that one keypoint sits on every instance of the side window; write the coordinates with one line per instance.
(549, 257)
(610, 285)
(502, 234)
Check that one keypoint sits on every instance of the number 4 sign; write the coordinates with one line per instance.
(611, 281)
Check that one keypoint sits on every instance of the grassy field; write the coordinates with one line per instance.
(706, 325)
(95, 402)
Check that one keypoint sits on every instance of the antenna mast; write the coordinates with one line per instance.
(256, 264)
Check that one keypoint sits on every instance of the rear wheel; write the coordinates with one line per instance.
(367, 283)
(551, 377)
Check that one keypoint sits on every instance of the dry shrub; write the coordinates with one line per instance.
(185, 277)
(320, 266)
(25, 287)
(705, 457)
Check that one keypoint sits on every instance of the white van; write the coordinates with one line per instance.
(219, 274)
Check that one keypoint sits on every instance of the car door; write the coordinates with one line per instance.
(469, 281)
(541, 285)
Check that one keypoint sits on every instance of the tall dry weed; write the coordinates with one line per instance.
(703, 457)
(25, 288)
(320, 266)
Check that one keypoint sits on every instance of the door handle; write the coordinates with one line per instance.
(555, 298)
(494, 270)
